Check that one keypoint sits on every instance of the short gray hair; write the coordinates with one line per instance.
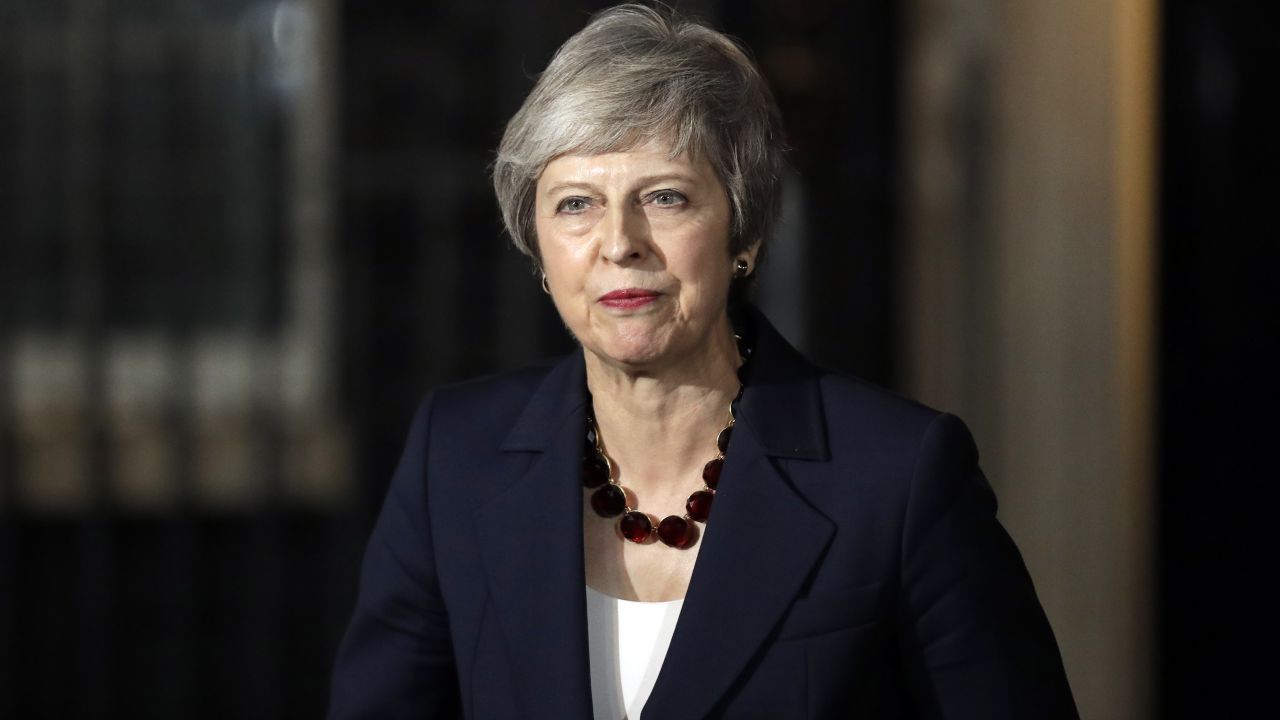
(636, 74)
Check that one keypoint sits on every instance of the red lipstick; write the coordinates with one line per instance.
(628, 298)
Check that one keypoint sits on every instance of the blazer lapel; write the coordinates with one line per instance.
(762, 540)
(531, 541)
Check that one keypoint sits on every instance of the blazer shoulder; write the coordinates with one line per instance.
(498, 396)
(871, 427)
(854, 404)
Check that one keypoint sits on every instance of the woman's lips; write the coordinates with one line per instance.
(628, 298)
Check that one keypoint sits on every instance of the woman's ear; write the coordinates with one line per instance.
(747, 256)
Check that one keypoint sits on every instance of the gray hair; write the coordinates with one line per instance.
(636, 74)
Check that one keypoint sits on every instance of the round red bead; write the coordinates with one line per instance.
(635, 526)
(608, 501)
(722, 440)
(699, 505)
(711, 472)
(595, 471)
(675, 531)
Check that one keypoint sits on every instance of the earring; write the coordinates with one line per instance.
(740, 268)
(545, 288)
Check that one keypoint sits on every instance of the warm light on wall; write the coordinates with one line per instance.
(1027, 286)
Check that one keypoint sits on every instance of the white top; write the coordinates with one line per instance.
(628, 642)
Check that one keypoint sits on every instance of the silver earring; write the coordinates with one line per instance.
(545, 288)
(740, 268)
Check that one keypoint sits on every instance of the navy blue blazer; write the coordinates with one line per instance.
(852, 566)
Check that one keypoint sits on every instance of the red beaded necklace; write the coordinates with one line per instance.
(610, 500)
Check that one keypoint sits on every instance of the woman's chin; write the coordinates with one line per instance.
(632, 342)
(628, 357)
(630, 352)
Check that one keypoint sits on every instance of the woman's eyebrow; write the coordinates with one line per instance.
(570, 185)
(639, 182)
(665, 177)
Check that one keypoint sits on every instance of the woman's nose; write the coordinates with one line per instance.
(626, 234)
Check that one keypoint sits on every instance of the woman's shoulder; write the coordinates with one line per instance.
(515, 409)
(854, 397)
(869, 416)
(856, 415)
(500, 394)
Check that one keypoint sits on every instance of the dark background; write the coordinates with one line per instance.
(198, 612)
(1219, 351)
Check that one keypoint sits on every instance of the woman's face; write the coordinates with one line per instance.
(635, 246)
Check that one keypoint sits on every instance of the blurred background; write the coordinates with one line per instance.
(240, 238)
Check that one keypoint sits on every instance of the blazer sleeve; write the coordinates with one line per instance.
(976, 643)
(396, 658)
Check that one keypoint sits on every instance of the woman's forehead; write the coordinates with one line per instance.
(652, 158)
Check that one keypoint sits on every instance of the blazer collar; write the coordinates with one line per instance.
(782, 401)
(760, 545)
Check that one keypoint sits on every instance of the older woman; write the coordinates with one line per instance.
(684, 516)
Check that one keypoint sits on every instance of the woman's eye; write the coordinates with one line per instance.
(572, 205)
(667, 198)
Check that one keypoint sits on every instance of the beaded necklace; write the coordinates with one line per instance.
(609, 500)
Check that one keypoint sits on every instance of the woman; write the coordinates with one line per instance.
(684, 516)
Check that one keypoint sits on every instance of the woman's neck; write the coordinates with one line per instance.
(659, 425)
